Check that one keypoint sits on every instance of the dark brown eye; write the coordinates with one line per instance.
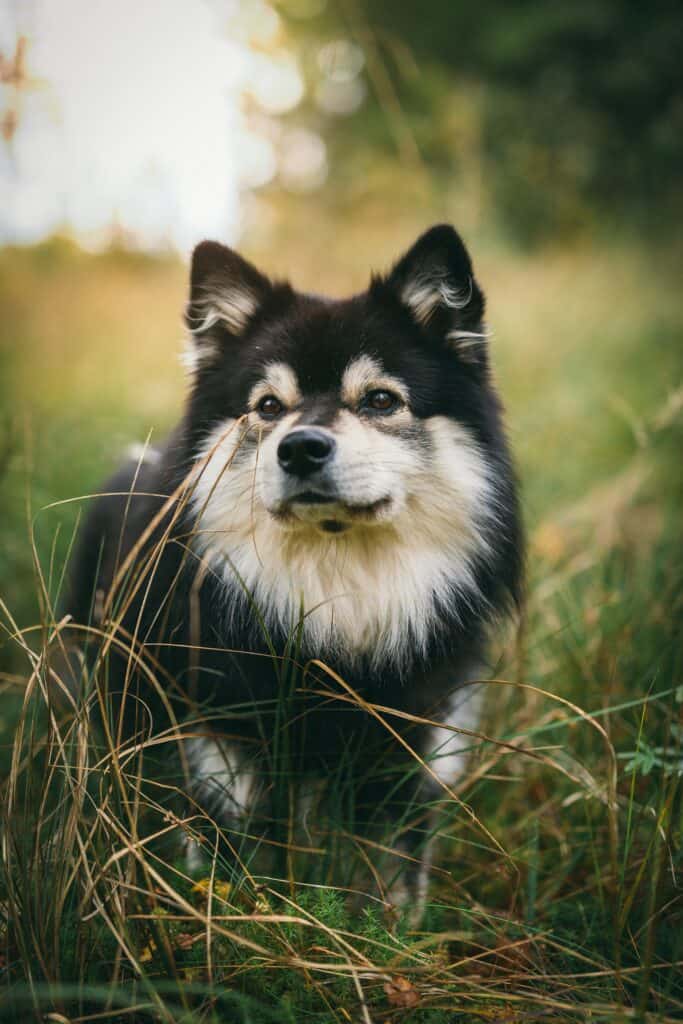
(381, 401)
(270, 407)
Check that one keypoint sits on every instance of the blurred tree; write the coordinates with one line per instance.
(563, 110)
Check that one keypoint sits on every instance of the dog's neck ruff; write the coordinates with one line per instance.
(374, 594)
(366, 595)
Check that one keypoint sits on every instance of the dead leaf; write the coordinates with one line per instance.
(401, 992)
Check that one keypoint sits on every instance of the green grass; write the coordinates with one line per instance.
(560, 898)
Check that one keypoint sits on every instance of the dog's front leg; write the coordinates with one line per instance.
(224, 786)
(445, 754)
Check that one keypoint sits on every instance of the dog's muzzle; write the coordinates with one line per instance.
(310, 493)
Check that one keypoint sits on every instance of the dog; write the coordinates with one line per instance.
(333, 524)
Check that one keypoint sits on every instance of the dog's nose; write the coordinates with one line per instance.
(303, 451)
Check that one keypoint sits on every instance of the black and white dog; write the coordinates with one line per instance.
(339, 490)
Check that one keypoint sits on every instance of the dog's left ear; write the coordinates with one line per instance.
(434, 279)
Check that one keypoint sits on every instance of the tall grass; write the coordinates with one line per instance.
(555, 893)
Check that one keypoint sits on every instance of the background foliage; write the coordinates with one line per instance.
(565, 114)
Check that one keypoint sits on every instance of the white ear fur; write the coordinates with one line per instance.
(425, 292)
(468, 344)
(225, 291)
(229, 305)
(232, 305)
(434, 280)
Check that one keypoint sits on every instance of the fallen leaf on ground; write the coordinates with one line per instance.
(401, 992)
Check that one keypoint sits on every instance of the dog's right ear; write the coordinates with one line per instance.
(226, 292)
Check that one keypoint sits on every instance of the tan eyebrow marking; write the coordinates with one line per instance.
(280, 380)
(365, 374)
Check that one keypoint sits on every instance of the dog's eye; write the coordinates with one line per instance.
(381, 401)
(270, 407)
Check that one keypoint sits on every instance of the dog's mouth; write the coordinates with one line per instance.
(329, 512)
(312, 498)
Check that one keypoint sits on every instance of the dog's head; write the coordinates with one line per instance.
(368, 423)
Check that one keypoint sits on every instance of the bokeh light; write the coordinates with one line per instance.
(137, 122)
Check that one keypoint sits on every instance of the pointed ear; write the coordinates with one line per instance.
(435, 281)
(226, 291)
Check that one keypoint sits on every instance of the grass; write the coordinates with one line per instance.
(559, 896)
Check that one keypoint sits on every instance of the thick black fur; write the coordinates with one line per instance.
(170, 610)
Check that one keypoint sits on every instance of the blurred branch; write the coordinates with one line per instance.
(14, 75)
(383, 85)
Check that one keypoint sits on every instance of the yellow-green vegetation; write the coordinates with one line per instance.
(558, 897)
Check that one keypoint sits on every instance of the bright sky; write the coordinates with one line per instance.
(138, 119)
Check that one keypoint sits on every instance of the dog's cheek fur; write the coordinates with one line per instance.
(222, 497)
(373, 464)
(456, 498)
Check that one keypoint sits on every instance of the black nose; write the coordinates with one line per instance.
(303, 451)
